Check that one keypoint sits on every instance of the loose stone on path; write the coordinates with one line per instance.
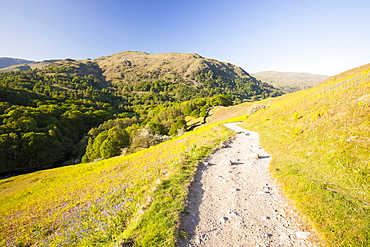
(233, 200)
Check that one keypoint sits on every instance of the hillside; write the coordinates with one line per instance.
(132, 66)
(320, 140)
(115, 202)
(8, 61)
(192, 73)
(84, 111)
(290, 81)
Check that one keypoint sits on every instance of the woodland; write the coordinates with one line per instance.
(68, 112)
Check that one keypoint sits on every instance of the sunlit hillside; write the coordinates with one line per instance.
(130, 199)
(130, 65)
(320, 143)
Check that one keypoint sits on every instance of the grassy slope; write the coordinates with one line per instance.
(132, 198)
(222, 113)
(320, 140)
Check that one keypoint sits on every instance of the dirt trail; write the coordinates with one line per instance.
(239, 204)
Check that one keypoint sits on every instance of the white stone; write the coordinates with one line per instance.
(267, 188)
(253, 155)
(223, 219)
(302, 234)
(284, 237)
(234, 214)
(225, 163)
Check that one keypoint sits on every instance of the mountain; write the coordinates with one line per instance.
(8, 61)
(319, 139)
(200, 76)
(133, 71)
(290, 81)
(132, 66)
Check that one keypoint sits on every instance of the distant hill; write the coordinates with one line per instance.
(290, 81)
(27, 66)
(8, 61)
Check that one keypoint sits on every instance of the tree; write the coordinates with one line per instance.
(177, 127)
(40, 150)
(116, 140)
(93, 147)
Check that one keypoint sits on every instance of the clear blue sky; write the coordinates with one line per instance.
(314, 36)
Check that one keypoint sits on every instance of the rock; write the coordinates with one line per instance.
(302, 234)
(127, 243)
(253, 156)
(234, 214)
(266, 189)
(225, 163)
(284, 237)
(224, 219)
(126, 62)
(198, 241)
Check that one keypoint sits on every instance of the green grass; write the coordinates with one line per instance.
(319, 140)
(132, 198)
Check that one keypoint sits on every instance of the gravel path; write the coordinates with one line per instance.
(239, 204)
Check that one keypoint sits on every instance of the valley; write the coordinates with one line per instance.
(130, 118)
